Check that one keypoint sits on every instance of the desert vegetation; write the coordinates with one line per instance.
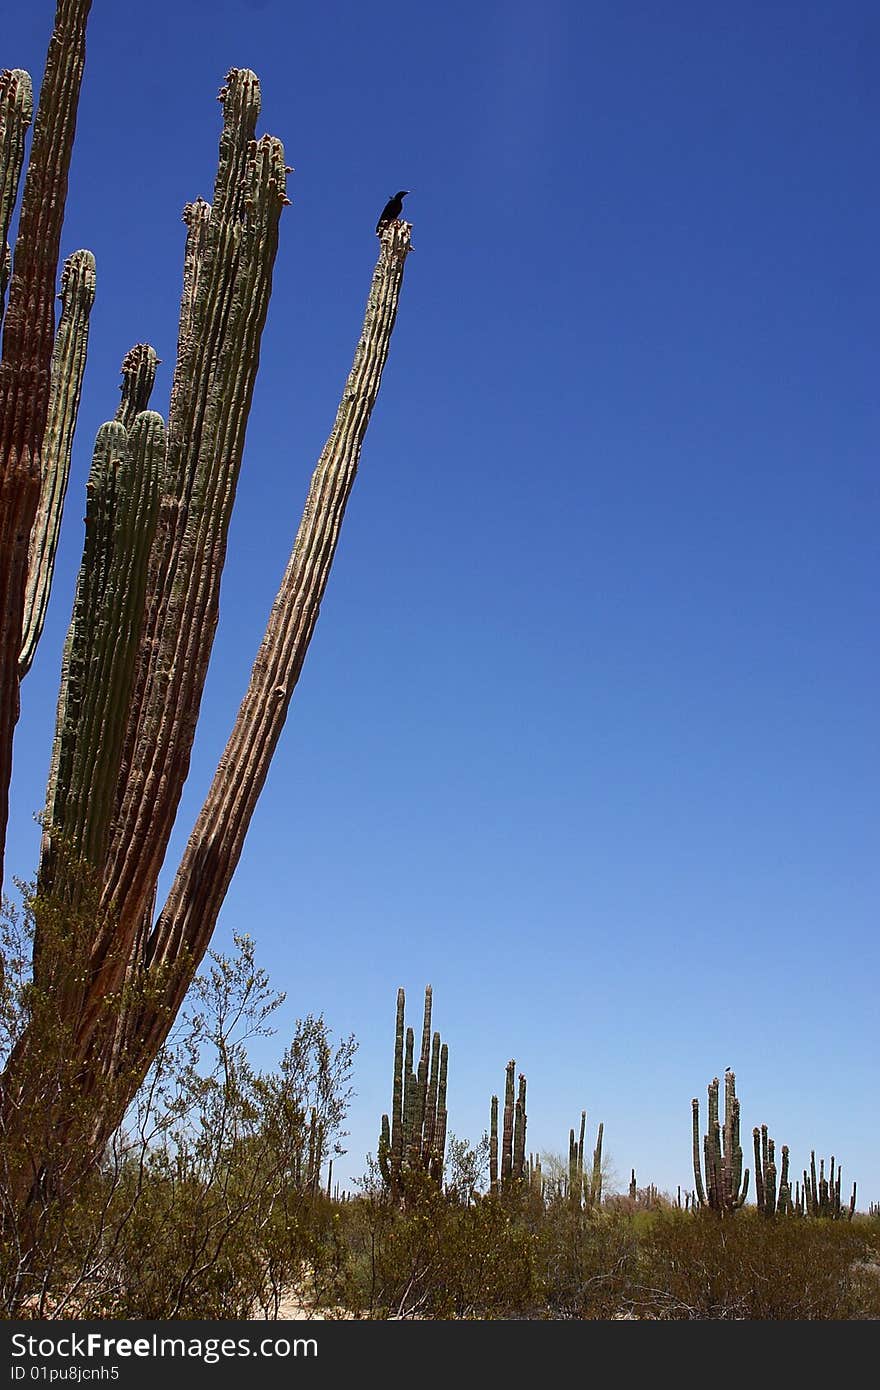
(148, 1168)
(216, 1199)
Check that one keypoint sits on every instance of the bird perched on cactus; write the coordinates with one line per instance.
(391, 211)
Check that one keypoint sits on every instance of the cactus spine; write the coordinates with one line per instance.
(415, 1137)
(726, 1186)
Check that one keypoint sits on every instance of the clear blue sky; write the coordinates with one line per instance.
(585, 735)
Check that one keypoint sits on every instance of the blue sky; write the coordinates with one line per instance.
(587, 735)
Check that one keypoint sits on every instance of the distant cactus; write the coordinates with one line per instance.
(820, 1196)
(513, 1169)
(770, 1201)
(584, 1187)
(414, 1139)
(725, 1186)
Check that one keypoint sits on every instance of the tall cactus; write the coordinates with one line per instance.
(585, 1185)
(513, 1168)
(135, 662)
(770, 1200)
(414, 1139)
(29, 328)
(821, 1195)
(726, 1185)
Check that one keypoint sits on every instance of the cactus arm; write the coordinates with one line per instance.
(430, 1120)
(123, 495)
(507, 1131)
(519, 1131)
(759, 1169)
(397, 1095)
(440, 1134)
(698, 1173)
(596, 1187)
(16, 114)
(28, 334)
(138, 378)
(420, 1117)
(493, 1145)
(410, 1087)
(68, 368)
(580, 1144)
(384, 1152)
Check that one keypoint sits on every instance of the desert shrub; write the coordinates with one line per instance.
(206, 1202)
(440, 1258)
(590, 1261)
(697, 1266)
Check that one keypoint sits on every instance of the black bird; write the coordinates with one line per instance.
(391, 211)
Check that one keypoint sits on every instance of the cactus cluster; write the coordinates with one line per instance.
(584, 1184)
(820, 1195)
(726, 1186)
(771, 1199)
(513, 1135)
(414, 1139)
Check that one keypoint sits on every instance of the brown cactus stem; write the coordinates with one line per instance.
(442, 1117)
(421, 1110)
(430, 1113)
(698, 1174)
(397, 1098)
(493, 1145)
(596, 1180)
(760, 1168)
(580, 1150)
(187, 920)
(519, 1132)
(25, 366)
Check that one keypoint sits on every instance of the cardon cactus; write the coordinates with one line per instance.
(726, 1185)
(585, 1185)
(513, 1169)
(158, 510)
(821, 1194)
(769, 1200)
(414, 1139)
